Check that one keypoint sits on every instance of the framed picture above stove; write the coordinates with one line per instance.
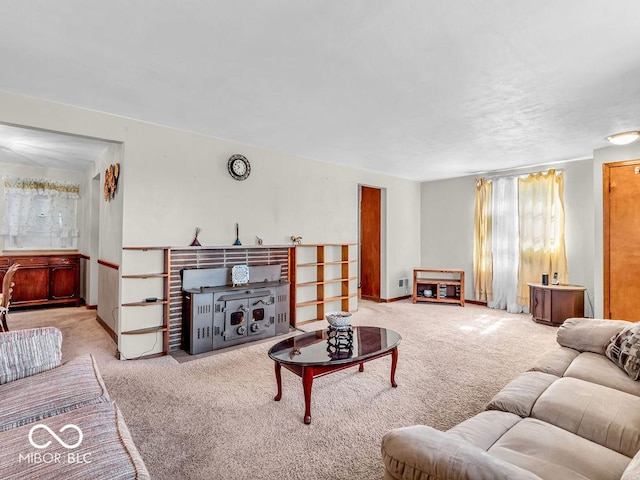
(239, 167)
(239, 275)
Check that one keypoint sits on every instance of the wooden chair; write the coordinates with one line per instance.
(5, 296)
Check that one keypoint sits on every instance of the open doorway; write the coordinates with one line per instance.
(67, 158)
(370, 243)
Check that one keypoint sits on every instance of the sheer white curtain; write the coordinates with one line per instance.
(505, 245)
(39, 213)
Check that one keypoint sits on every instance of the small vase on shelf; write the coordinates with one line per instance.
(195, 242)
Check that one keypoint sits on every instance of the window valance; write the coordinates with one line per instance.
(40, 186)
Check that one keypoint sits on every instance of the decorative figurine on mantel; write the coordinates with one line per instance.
(296, 240)
(195, 242)
(237, 242)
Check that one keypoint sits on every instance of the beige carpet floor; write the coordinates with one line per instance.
(215, 417)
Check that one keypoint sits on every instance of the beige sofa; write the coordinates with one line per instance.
(574, 415)
(57, 420)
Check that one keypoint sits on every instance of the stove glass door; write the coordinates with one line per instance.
(235, 319)
(262, 311)
(257, 314)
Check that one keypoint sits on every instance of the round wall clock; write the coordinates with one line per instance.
(239, 167)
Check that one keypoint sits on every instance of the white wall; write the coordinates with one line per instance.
(176, 181)
(580, 227)
(109, 241)
(180, 182)
(448, 218)
(602, 156)
(447, 226)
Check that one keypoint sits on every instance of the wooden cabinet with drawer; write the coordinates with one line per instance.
(50, 278)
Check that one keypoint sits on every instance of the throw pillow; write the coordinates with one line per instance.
(624, 350)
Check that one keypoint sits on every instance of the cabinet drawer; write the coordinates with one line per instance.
(4, 262)
(63, 260)
(31, 261)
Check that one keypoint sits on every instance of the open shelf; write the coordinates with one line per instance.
(144, 304)
(322, 274)
(154, 263)
(325, 263)
(147, 275)
(142, 331)
(335, 280)
(446, 289)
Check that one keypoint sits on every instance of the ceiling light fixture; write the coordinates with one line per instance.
(624, 138)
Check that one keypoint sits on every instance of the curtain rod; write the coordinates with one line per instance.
(520, 175)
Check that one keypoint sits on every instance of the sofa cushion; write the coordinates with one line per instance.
(26, 352)
(424, 453)
(521, 393)
(106, 449)
(485, 428)
(553, 453)
(554, 361)
(588, 334)
(601, 414)
(72, 385)
(624, 350)
(595, 368)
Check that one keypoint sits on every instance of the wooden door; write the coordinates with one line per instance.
(370, 208)
(540, 304)
(621, 240)
(32, 284)
(64, 282)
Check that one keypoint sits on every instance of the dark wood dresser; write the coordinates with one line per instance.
(44, 278)
(553, 304)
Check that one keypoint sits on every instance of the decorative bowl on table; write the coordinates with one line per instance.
(339, 319)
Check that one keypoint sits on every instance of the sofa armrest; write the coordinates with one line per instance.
(554, 361)
(633, 469)
(423, 453)
(26, 352)
(589, 334)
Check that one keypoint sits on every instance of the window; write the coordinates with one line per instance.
(40, 214)
(519, 235)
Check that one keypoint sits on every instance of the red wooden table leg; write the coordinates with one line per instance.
(361, 369)
(279, 381)
(394, 362)
(307, 383)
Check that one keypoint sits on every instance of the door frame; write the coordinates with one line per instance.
(606, 225)
(91, 272)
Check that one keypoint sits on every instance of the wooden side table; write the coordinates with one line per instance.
(445, 288)
(553, 304)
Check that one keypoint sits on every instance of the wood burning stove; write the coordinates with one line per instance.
(217, 314)
(246, 313)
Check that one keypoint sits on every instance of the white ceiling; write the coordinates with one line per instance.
(422, 89)
(37, 148)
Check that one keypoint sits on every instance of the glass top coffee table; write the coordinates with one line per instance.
(321, 352)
